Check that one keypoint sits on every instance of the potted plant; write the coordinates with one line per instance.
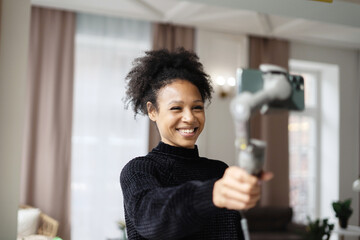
(318, 229)
(122, 226)
(343, 211)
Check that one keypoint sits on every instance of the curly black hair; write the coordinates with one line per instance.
(158, 68)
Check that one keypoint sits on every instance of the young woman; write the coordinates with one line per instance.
(172, 192)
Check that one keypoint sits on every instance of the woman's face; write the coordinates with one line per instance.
(180, 117)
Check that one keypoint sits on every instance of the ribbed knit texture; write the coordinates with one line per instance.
(168, 195)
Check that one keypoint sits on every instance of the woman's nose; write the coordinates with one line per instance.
(188, 116)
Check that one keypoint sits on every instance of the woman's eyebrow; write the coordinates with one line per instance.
(182, 102)
(175, 102)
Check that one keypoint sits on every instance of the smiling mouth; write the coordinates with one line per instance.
(188, 132)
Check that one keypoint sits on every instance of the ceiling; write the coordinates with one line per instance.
(333, 24)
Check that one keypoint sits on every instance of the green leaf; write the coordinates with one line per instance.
(347, 203)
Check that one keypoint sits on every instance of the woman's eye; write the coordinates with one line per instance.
(199, 107)
(175, 108)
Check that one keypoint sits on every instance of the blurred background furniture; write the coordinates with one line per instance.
(41, 224)
(273, 223)
(349, 231)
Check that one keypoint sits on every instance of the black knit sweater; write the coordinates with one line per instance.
(168, 195)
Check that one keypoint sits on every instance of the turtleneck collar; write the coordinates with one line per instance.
(179, 151)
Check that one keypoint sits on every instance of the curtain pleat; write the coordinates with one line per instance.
(170, 37)
(46, 164)
(272, 127)
(173, 36)
(0, 15)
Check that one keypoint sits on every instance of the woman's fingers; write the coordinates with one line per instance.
(241, 186)
(240, 175)
(266, 176)
(240, 196)
(236, 189)
(225, 197)
(237, 205)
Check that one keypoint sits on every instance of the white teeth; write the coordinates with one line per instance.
(187, 130)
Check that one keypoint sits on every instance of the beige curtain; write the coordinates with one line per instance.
(46, 165)
(170, 37)
(273, 127)
(0, 15)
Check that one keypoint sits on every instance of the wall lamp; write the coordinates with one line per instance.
(356, 185)
(224, 86)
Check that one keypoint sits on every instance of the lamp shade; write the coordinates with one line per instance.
(356, 185)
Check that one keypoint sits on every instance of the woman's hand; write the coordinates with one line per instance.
(238, 190)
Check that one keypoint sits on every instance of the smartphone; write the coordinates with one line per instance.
(251, 80)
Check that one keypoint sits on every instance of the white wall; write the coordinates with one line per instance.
(221, 54)
(348, 91)
(15, 17)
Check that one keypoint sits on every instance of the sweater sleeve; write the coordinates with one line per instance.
(164, 212)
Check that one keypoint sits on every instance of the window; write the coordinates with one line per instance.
(105, 135)
(303, 151)
(314, 143)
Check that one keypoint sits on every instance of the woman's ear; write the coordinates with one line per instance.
(151, 111)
